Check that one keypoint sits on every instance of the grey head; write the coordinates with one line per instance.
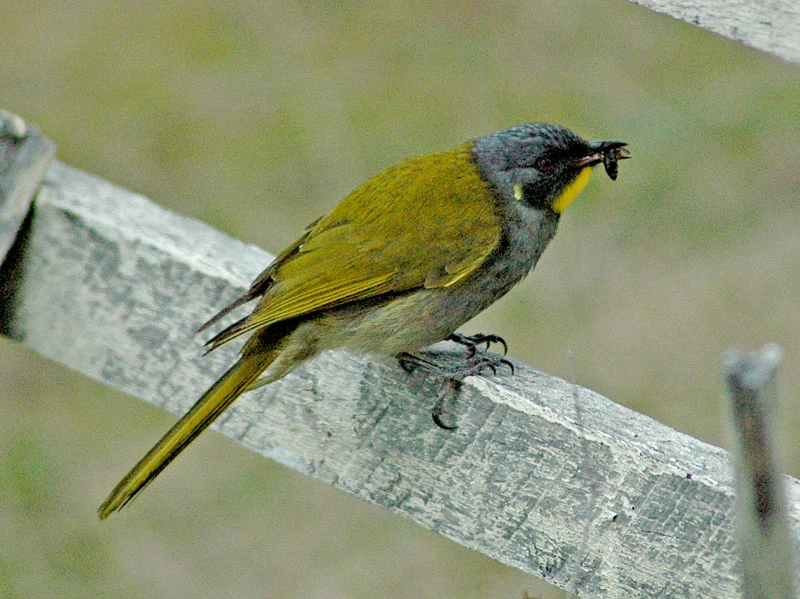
(535, 162)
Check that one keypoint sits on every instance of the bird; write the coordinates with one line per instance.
(399, 264)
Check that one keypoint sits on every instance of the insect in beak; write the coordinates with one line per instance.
(609, 153)
(610, 159)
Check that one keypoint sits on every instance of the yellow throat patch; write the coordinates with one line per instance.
(572, 190)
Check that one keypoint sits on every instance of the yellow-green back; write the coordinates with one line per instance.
(361, 248)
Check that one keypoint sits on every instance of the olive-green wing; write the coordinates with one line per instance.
(427, 222)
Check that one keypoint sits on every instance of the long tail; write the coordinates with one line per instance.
(214, 402)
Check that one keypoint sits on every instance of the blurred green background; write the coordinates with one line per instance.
(257, 117)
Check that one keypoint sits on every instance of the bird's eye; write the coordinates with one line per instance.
(545, 163)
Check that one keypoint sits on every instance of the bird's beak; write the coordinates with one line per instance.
(606, 146)
(607, 152)
(600, 149)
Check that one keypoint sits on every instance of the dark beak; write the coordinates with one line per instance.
(606, 146)
(607, 152)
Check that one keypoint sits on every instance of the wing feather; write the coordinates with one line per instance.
(426, 222)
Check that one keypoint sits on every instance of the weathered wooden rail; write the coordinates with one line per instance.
(545, 476)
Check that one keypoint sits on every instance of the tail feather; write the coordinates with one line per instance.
(208, 408)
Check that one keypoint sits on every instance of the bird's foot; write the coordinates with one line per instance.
(479, 361)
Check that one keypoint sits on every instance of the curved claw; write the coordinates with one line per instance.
(471, 342)
(509, 364)
(410, 362)
(489, 339)
(406, 361)
(437, 419)
(436, 414)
